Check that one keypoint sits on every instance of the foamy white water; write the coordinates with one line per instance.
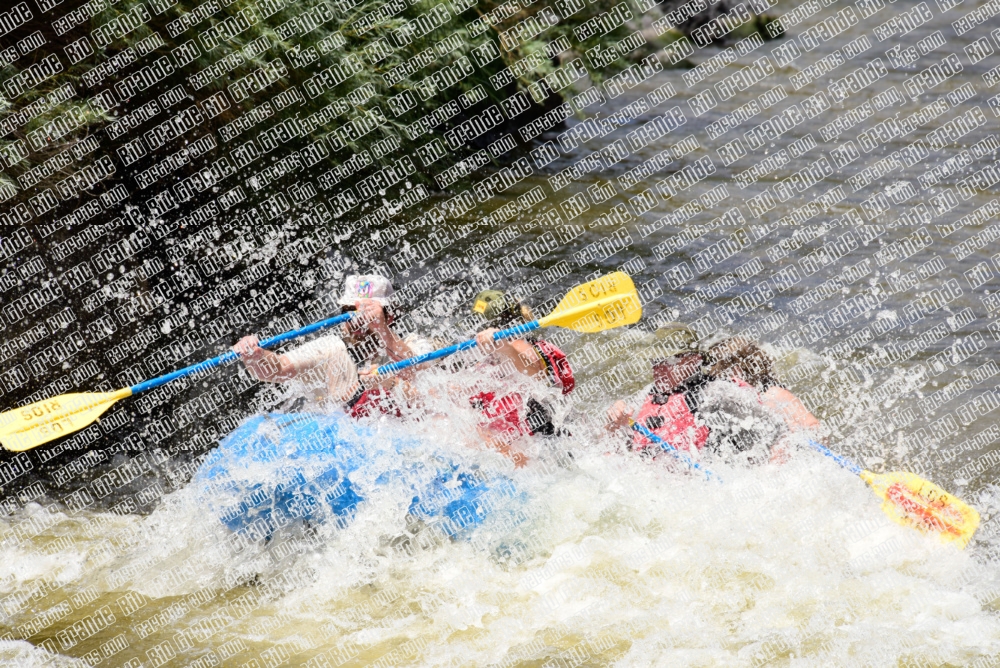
(604, 558)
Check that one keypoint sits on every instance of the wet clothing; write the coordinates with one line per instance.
(514, 415)
(378, 400)
(510, 415)
(326, 368)
(727, 417)
(330, 369)
(557, 367)
(373, 401)
(741, 428)
(673, 421)
(317, 352)
(672, 417)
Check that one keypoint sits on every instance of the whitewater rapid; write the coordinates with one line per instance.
(602, 558)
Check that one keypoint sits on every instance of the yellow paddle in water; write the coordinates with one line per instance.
(601, 304)
(912, 501)
(604, 303)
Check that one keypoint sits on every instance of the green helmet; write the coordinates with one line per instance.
(498, 308)
(677, 337)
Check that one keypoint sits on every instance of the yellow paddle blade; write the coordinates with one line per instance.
(43, 421)
(912, 501)
(604, 303)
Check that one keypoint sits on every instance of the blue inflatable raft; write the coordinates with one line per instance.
(278, 469)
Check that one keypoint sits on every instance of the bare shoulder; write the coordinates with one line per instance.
(522, 346)
(788, 405)
(776, 394)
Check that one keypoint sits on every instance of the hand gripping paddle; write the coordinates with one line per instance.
(604, 303)
(912, 501)
(670, 449)
(610, 301)
(43, 421)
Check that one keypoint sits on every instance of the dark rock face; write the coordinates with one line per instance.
(703, 11)
(689, 15)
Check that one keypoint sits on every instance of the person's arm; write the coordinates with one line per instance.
(265, 365)
(619, 416)
(372, 315)
(503, 446)
(788, 406)
(370, 381)
(521, 354)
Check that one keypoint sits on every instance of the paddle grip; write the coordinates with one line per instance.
(229, 355)
(513, 332)
(843, 461)
(670, 449)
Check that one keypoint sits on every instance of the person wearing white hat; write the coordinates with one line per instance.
(369, 334)
(328, 365)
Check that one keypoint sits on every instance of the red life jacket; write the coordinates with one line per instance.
(502, 414)
(372, 401)
(556, 365)
(507, 414)
(672, 421)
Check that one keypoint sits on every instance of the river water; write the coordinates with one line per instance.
(611, 560)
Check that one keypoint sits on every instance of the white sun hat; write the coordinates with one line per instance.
(370, 286)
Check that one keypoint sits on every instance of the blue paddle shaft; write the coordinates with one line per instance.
(670, 449)
(229, 356)
(513, 332)
(843, 461)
